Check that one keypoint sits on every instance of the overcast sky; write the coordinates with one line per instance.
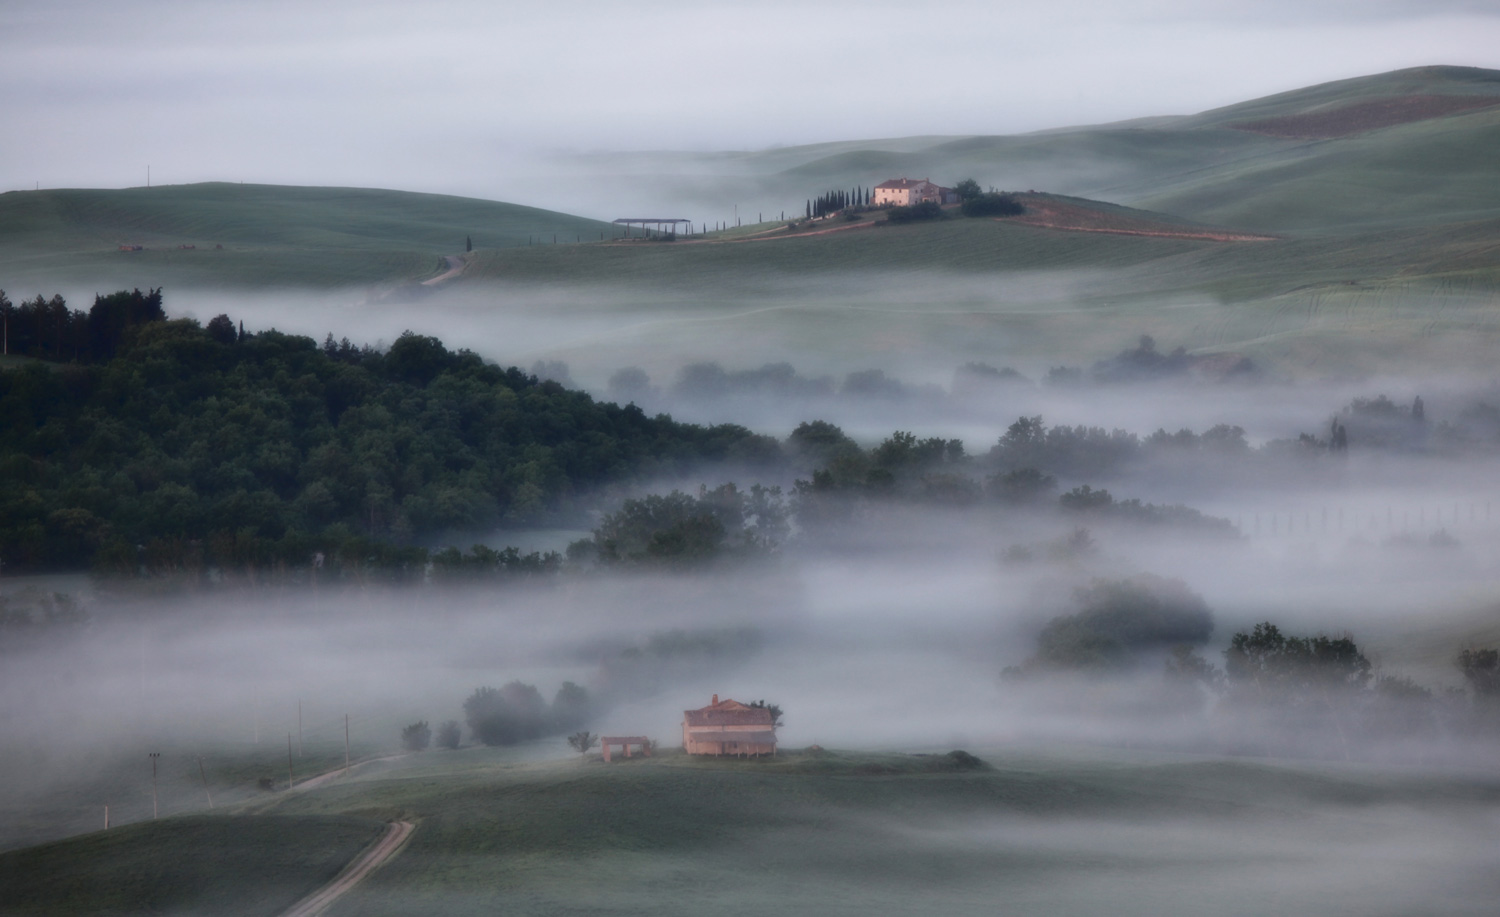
(449, 96)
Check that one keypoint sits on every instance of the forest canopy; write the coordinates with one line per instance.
(189, 443)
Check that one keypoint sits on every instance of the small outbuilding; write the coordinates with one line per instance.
(728, 727)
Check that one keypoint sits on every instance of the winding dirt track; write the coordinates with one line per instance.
(389, 845)
(455, 267)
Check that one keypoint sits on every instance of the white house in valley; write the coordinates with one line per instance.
(903, 192)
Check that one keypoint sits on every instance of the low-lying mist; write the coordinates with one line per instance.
(908, 612)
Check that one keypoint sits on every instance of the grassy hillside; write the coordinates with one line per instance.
(1422, 173)
(247, 865)
(270, 235)
(995, 290)
(1385, 240)
(1073, 832)
(1201, 166)
(1438, 80)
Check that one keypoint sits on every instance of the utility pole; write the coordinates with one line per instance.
(289, 760)
(106, 816)
(299, 728)
(346, 745)
(204, 775)
(153, 756)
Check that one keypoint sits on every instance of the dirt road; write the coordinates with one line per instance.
(455, 267)
(382, 850)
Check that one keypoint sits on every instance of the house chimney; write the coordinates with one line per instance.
(716, 701)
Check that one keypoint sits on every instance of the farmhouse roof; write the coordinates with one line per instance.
(727, 713)
(902, 183)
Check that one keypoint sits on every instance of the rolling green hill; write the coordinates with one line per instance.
(1437, 168)
(270, 235)
(1386, 227)
(1075, 832)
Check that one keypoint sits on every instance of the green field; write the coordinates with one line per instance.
(960, 290)
(270, 235)
(245, 865)
(1387, 247)
(1043, 832)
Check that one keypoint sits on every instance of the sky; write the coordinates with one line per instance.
(473, 98)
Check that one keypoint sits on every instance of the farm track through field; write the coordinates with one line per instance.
(315, 782)
(389, 845)
(455, 267)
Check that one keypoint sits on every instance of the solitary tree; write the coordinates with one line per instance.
(221, 329)
(583, 741)
(448, 734)
(570, 707)
(967, 189)
(1481, 668)
(506, 716)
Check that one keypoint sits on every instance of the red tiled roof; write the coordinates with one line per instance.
(728, 713)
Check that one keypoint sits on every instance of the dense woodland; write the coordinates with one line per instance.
(192, 447)
(161, 447)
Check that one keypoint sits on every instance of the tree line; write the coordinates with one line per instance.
(835, 201)
(47, 329)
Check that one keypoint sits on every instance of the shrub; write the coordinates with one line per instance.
(1119, 619)
(448, 734)
(927, 210)
(416, 737)
(992, 204)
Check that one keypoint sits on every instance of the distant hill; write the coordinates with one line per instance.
(1399, 163)
(258, 234)
(1471, 85)
(1409, 148)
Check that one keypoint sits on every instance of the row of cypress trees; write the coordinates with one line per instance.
(834, 201)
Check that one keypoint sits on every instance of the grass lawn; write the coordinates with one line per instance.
(245, 865)
(1046, 832)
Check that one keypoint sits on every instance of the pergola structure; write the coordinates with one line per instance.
(658, 222)
(626, 741)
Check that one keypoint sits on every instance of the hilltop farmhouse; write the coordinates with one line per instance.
(903, 192)
(728, 727)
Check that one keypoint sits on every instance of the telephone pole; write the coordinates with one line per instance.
(153, 756)
(289, 760)
(299, 728)
(204, 775)
(346, 745)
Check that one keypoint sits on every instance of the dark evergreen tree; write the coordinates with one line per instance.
(221, 329)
